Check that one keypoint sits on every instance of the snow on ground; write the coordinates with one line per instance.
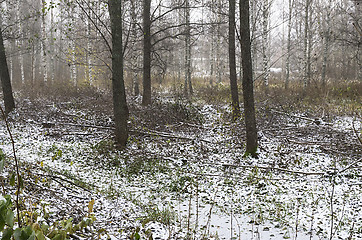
(173, 188)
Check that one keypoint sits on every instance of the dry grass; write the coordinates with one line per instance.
(339, 97)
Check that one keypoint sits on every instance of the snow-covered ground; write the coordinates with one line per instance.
(198, 183)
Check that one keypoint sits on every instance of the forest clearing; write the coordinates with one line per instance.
(183, 174)
(181, 119)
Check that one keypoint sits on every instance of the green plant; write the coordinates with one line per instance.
(104, 147)
(59, 230)
(165, 216)
(178, 185)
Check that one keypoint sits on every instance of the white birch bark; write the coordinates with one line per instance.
(73, 68)
(33, 65)
(218, 44)
(305, 52)
(254, 44)
(43, 43)
(89, 49)
(188, 86)
(326, 34)
(51, 47)
(265, 43)
(287, 63)
(310, 43)
(20, 42)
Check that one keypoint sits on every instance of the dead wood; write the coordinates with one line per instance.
(276, 169)
(53, 124)
(316, 121)
(134, 132)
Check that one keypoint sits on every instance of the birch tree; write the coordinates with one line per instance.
(306, 77)
(43, 49)
(265, 42)
(188, 85)
(232, 62)
(287, 63)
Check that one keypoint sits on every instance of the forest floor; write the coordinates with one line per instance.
(183, 174)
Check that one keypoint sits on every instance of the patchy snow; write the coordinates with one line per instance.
(171, 188)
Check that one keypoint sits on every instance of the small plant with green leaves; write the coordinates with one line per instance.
(165, 216)
(59, 230)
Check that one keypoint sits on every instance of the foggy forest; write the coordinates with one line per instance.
(181, 119)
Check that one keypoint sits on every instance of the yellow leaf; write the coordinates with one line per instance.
(90, 206)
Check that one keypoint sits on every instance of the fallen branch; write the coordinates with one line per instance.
(276, 169)
(317, 121)
(55, 178)
(307, 143)
(351, 165)
(52, 124)
(134, 132)
(167, 135)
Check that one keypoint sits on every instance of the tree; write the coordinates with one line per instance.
(43, 43)
(146, 98)
(265, 44)
(120, 108)
(232, 62)
(306, 67)
(287, 64)
(327, 38)
(188, 85)
(5, 78)
(248, 88)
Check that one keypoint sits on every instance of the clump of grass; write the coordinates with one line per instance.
(141, 165)
(165, 215)
(338, 97)
(214, 94)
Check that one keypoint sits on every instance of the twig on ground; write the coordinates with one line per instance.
(316, 121)
(276, 169)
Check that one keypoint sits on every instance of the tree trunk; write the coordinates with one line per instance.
(287, 64)
(218, 44)
(232, 62)
(310, 43)
(188, 85)
(120, 108)
(326, 48)
(43, 45)
(134, 57)
(248, 88)
(20, 42)
(265, 43)
(52, 47)
(73, 69)
(146, 98)
(5, 78)
(89, 69)
(254, 47)
(305, 53)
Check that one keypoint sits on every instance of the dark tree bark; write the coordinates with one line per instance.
(232, 62)
(146, 98)
(248, 88)
(120, 108)
(5, 78)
